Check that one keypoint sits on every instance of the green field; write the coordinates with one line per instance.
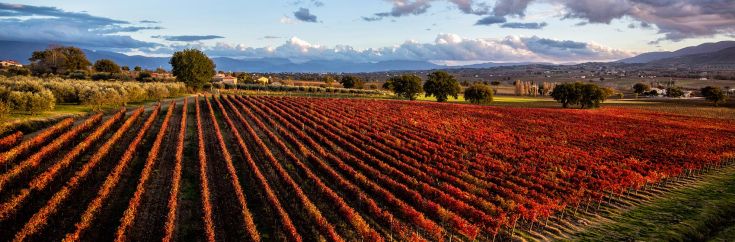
(703, 211)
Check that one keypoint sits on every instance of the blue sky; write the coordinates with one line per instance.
(442, 31)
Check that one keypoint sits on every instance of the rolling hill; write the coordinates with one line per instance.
(692, 50)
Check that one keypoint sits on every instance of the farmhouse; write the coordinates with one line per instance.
(224, 78)
(10, 63)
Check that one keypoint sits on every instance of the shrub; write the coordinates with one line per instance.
(674, 92)
(157, 92)
(30, 102)
(479, 94)
(4, 109)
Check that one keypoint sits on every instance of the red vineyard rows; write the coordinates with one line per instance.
(304, 169)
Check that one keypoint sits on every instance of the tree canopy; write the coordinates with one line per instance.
(479, 94)
(674, 92)
(640, 88)
(59, 60)
(106, 65)
(192, 67)
(587, 95)
(441, 85)
(351, 82)
(405, 86)
(714, 95)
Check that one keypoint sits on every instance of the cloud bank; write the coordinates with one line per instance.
(446, 47)
(49, 24)
(187, 38)
(674, 19)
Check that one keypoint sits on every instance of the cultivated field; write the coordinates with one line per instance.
(245, 168)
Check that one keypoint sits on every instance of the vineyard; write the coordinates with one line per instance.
(242, 168)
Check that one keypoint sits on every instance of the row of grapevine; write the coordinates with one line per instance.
(324, 226)
(250, 228)
(10, 140)
(176, 180)
(365, 201)
(35, 159)
(348, 212)
(204, 180)
(129, 215)
(41, 181)
(414, 217)
(41, 138)
(90, 213)
(40, 218)
(291, 232)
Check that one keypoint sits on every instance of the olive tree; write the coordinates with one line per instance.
(587, 95)
(441, 85)
(192, 67)
(405, 86)
(106, 65)
(479, 94)
(641, 88)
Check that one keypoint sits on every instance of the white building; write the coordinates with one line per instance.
(10, 63)
(223, 78)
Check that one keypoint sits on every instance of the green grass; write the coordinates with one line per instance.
(699, 213)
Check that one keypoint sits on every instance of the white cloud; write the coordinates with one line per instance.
(445, 47)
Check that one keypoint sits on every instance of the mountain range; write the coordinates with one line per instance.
(692, 50)
(21, 51)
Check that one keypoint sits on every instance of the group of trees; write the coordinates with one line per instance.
(440, 85)
(33, 95)
(713, 94)
(528, 88)
(587, 95)
(71, 62)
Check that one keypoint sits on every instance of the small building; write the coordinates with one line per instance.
(224, 78)
(658, 91)
(164, 75)
(687, 94)
(263, 80)
(10, 63)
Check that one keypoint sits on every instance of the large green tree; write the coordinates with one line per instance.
(674, 92)
(587, 95)
(714, 95)
(59, 60)
(106, 65)
(640, 88)
(567, 94)
(479, 94)
(405, 86)
(592, 95)
(192, 67)
(441, 85)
